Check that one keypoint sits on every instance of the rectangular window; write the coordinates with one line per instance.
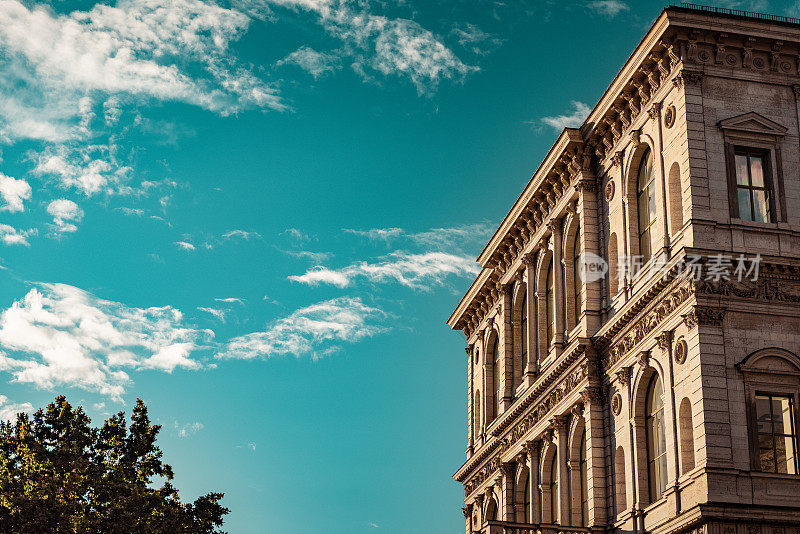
(777, 437)
(753, 185)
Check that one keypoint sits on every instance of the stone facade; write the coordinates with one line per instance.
(635, 402)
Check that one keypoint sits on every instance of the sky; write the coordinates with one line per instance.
(256, 215)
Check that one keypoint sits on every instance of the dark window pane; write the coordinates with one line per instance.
(780, 455)
(756, 171)
(763, 418)
(761, 206)
(745, 213)
(741, 169)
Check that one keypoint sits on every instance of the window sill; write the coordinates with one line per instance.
(755, 224)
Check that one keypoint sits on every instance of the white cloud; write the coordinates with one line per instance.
(65, 214)
(131, 212)
(9, 410)
(184, 431)
(609, 8)
(241, 234)
(185, 245)
(231, 300)
(389, 46)
(216, 312)
(89, 169)
(572, 120)
(179, 51)
(316, 330)
(11, 236)
(316, 257)
(13, 192)
(475, 39)
(454, 238)
(59, 335)
(315, 63)
(417, 271)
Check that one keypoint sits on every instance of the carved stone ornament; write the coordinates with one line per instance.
(610, 191)
(681, 351)
(669, 116)
(705, 316)
(616, 404)
(624, 376)
(643, 359)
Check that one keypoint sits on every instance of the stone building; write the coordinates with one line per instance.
(662, 398)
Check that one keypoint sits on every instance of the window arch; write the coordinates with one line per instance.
(491, 509)
(522, 497)
(656, 438)
(520, 333)
(550, 304)
(577, 280)
(613, 261)
(646, 204)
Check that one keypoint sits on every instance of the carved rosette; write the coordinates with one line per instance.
(681, 351)
(610, 190)
(616, 404)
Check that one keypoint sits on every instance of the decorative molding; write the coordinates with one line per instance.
(664, 339)
(624, 376)
(687, 77)
(671, 301)
(765, 288)
(643, 359)
(704, 316)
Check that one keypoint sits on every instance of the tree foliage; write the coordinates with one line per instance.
(58, 474)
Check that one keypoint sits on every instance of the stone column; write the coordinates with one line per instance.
(468, 517)
(596, 478)
(558, 279)
(470, 400)
(590, 239)
(532, 363)
(507, 348)
(520, 513)
(508, 512)
(533, 448)
(561, 424)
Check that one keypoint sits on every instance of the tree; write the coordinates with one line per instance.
(58, 474)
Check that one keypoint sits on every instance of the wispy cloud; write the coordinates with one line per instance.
(416, 271)
(241, 234)
(475, 39)
(231, 300)
(189, 429)
(146, 49)
(60, 335)
(315, 63)
(569, 120)
(65, 215)
(383, 45)
(185, 245)
(316, 330)
(216, 312)
(608, 8)
(14, 193)
(12, 236)
(450, 239)
(9, 410)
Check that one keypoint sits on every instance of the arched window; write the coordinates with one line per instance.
(554, 489)
(550, 304)
(656, 439)
(496, 381)
(584, 480)
(646, 204)
(576, 275)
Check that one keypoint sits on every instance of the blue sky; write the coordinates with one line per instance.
(256, 215)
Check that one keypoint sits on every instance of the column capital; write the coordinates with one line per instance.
(560, 422)
(664, 339)
(624, 376)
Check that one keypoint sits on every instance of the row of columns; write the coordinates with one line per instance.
(534, 456)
